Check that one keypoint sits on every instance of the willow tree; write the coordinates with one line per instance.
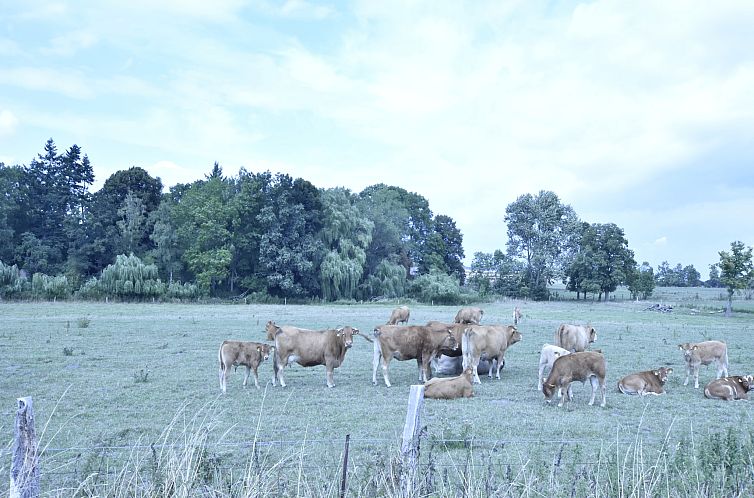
(346, 233)
(129, 278)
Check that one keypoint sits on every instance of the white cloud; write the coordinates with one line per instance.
(70, 43)
(662, 241)
(69, 83)
(8, 123)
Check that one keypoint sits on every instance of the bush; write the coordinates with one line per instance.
(436, 288)
(47, 287)
(177, 290)
(89, 290)
(12, 283)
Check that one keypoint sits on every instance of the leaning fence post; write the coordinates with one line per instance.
(345, 468)
(410, 444)
(24, 471)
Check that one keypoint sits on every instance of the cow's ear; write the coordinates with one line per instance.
(669, 371)
(557, 353)
(354, 331)
(656, 372)
(551, 385)
(259, 348)
(680, 346)
(695, 347)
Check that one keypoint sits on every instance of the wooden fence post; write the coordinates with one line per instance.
(410, 445)
(24, 471)
(343, 481)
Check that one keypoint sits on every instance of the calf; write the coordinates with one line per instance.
(647, 382)
(248, 354)
(399, 315)
(490, 340)
(575, 367)
(450, 387)
(470, 315)
(547, 357)
(575, 338)
(730, 388)
(516, 315)
(704, 353)
(310, 348)
(412, 342)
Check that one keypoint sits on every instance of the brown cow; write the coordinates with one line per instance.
(730, 388)
(273, 329)
(470, 315)
(457, 330)
(419, 342)
(704, 353)
(647, 382)
(489, 340)
(399, 315)
(310, 348)
(575, 367)
(248, 354)
(575, 338)
(450, 387)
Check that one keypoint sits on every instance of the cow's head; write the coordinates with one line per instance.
(548, 390)
(747, 382)
(688, 348)
(271, 330)
(449, 341)
(265, 350)
(514, 335)
(662, 374)
(347, 333)
(592, 333)
(469, 373)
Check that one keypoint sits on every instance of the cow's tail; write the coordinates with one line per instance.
(222, 365)
(366, 338)
(466, 347)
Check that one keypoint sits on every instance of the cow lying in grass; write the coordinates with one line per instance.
(647, 382)
(450, 387)
(730, 388)
(248, 354)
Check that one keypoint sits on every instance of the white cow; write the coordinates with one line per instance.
(547, 357)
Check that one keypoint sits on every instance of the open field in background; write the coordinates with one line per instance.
(86, 383)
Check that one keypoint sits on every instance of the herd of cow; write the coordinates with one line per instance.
(468, 348)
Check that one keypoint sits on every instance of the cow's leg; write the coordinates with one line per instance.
(541, 373)
(329, 375)
(425, 369)
(500, 365)
(696, 378)
(420, 367)
(223, 377)
(595, 385)
(385, 363)
(604, 392)
(688, 374)
(563, 395)
(475, 368)
(376, 359)
(722, 370)
(256, 378)
(246, 375)
(279, 372)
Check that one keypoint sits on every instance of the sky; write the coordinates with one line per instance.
(635, 113)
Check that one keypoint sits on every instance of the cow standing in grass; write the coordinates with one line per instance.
(490, 341)
(575, 338)
(547, 357)
(248, 354)
(399, 315)
(310, 348)
(470, 315)
(413, 342)
(575, 367)
(704, 353)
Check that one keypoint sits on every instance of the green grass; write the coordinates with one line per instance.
(101, 396)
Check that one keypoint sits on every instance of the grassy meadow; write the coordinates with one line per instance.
(110, 380)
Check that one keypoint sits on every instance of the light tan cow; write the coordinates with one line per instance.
(730, 388)
(410, 342)
(248, 354)
(399, 315)
(517, 315)
(470, 314)
(310, 348)
(647, 382)
(580, 367)
(450, 387)
(492, 341)
(704, 353)
(575, 338)
(547, 357)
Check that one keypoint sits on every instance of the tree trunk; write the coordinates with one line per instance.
(729, 308)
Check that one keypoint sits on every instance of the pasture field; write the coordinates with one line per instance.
(109, 380)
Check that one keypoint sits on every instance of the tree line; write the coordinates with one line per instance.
(269, 236)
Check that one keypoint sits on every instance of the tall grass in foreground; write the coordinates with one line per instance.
(184, 462)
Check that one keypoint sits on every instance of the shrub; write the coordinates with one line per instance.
(177, 290)
(129, 278)
(12, 283)
(436, 287)
(84, 322)
(47, 287)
